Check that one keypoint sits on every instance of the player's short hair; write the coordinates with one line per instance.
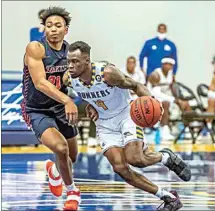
(82, 46)
(162, 24)
(131, 57)
(55, 11)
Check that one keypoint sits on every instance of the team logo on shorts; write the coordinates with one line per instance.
(103, 145)
(98, 78)
(127, 134)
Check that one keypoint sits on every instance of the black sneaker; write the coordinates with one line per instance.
(176, 164)
(170, 204)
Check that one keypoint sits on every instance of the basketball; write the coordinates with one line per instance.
(145, 111)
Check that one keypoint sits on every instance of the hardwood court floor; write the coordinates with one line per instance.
(25, 186)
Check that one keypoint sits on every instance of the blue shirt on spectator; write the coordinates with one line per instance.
(35, 34)
(156, 49)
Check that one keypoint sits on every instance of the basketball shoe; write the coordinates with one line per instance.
(55, 183)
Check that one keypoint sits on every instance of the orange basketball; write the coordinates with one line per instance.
(145, 111)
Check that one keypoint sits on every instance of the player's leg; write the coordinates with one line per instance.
(57, 143)
(73, 193)
(110, 134)
(137, 153)
(137, 156)
(47, 131)
(73, 148)
(117, 159)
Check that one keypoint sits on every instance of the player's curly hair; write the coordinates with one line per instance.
(54, 10)
(82, 46)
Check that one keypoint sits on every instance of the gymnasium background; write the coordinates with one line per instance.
(115, 30)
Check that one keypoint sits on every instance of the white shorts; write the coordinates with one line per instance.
(118, 131)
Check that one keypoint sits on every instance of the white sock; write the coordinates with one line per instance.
(71, 187)
(54, 170)
(165, 157)
(162, 192)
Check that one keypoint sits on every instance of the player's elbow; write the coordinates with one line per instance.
(40, 84)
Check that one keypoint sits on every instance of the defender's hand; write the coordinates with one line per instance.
(71, 111)
(91, 112)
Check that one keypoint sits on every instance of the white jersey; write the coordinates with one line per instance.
(165, 81)
(162, 91)
(109, 101)
(138, 76)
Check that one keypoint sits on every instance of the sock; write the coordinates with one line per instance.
(71, 187)
(54, 171)
(165, 157)
(161, 192)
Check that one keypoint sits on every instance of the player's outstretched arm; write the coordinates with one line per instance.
(115, 77)
(35, 52)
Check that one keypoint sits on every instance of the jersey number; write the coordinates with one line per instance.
(101, 103)
(55, 80)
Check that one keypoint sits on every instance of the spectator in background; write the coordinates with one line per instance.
(157, 48)
(161, 81)
(36, 33)
(133, 71)
(211, 95)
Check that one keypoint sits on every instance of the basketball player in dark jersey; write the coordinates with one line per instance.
(46, 108)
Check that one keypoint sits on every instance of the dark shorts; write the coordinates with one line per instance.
(42, 119)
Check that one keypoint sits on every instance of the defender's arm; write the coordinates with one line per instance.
(33, 59)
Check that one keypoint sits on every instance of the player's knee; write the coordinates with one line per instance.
(120, 168)
(62, 150)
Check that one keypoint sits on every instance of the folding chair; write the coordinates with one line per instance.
(202, 91)
(197, 113)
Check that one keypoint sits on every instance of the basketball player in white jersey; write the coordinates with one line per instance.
(106, 89)
(160, 84)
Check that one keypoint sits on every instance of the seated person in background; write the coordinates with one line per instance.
(160, 84)
(134, 72)
(211, 95)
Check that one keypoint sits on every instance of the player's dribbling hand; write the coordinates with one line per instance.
(71, 111)
(91, 112)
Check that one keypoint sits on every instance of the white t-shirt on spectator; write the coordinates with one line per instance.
(138, 76)
(163, 92)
